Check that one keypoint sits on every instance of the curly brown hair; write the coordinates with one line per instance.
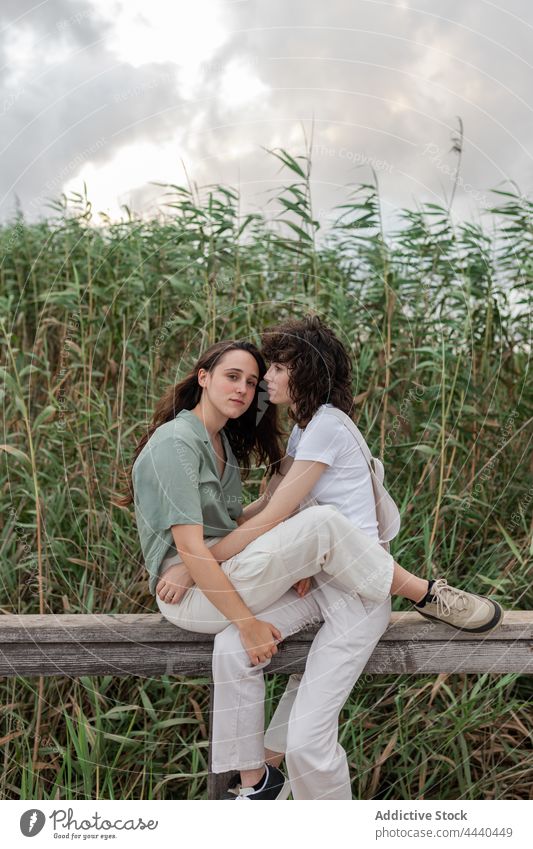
(320, 368)
(256, 432)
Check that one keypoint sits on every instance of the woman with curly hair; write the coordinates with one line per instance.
(311, 372)
(211, 563)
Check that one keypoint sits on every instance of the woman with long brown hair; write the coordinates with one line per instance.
(186, 488)
(212, 564)
(310, 372)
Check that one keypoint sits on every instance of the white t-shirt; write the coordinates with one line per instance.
(346, 483)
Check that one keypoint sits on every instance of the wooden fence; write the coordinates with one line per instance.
(148, 645)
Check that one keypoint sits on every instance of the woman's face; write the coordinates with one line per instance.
(231, 385)
(277, 381)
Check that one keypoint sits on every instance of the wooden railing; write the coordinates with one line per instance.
(147, 645)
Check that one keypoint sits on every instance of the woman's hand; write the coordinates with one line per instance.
(174, 583)
(302, 586)
(259, 639)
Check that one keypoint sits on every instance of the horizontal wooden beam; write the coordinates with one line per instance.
(147, 645)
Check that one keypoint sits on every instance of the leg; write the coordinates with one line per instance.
(239, 715)
(407, 585)
(318, 539)
(316, 762)
(276, 733)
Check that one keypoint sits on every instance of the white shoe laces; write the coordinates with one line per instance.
(448, 599)
(243, 794)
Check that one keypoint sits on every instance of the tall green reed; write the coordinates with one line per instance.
(98, 320)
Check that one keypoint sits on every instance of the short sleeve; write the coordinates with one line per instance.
(165, 483)
(321, 440)
(291, 444)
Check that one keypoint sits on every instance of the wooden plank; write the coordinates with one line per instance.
(148, 645)
(194, 659)
(119, 659)
(153, 628)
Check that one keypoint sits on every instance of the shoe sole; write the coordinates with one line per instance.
(494, 623)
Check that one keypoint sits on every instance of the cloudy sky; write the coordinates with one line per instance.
(124, 93)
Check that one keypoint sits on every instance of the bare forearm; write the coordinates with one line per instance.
(282, 499)
(260, 503)
(231, 544)
(253, 509)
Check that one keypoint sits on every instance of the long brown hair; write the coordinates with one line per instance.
(319, 366)
(256, 432)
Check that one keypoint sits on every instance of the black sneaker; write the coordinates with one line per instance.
(233, 787)
(272, 786)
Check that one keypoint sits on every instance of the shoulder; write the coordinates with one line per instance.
(326, 420)
(176, 433)
(322, 439)
(330, 430)
(171, 442)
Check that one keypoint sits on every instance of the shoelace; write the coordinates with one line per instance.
(243, 794)
(448, 598)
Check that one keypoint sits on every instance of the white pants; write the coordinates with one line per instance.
(317, 540)
(305, 724)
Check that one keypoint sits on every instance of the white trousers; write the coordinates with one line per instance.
(317, 540)
(305, 724)
(353, 575)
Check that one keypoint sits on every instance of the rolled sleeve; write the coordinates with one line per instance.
(166, 485)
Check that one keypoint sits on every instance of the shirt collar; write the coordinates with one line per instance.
(201, 428)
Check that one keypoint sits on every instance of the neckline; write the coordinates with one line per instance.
(225, 452)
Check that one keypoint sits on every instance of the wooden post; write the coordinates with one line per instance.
(217, 782)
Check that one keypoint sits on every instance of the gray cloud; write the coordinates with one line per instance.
(384, 84)
(60, 115)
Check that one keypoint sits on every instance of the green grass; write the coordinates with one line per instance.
(97, 321)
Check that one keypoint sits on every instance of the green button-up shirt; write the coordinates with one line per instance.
(176, 482)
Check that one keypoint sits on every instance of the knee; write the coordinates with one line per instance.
(323, 514)
(228, 652)
(230, 658)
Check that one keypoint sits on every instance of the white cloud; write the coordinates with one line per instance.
(144, 31)
(114, 183)
(240, 85)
